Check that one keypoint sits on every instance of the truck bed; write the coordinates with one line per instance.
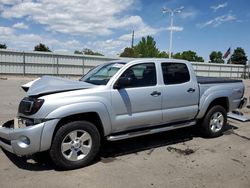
(215, 80)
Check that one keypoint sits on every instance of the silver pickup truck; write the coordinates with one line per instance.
(114, 101)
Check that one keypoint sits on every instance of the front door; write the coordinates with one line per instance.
(138, 104)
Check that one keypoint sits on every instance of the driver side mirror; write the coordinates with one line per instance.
(123, 82)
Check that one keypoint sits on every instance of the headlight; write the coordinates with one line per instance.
(29, 106)
(21, 122)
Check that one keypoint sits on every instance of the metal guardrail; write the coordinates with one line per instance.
(40, 63)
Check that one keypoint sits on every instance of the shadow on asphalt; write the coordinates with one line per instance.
(110, 150)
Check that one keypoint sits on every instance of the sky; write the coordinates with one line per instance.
(106, 25)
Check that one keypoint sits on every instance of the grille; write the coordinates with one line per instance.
(5, 141)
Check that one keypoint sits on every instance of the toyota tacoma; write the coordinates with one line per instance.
(114, 101)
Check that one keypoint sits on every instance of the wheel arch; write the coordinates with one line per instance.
(94, 112)
(92, 117)
(222, 101)
(208, 104)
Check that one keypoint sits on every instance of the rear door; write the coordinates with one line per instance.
(137, 105)
(180, 92)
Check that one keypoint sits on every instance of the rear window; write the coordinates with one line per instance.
(175, 73)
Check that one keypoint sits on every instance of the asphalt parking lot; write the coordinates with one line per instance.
(180, 158)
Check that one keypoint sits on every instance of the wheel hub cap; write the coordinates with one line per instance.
(216, 122)
(76, 145)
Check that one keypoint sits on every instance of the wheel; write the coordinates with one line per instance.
(75, 145)
(214, 121)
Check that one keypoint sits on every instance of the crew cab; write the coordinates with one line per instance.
(117, 100)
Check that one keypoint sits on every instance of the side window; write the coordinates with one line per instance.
(175, 73)
(142, 75)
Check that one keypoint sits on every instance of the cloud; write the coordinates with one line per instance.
(5, 31)
(9, 2)
(218, 21)
(175, 28)
(21, 41)
(219, 6)
(77, 17)
(109, 47)
(141, 30)
(20, 25)
(188, 14)
(116, 46)
(93, 20)
(29, 40)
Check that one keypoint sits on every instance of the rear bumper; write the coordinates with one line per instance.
(243, 103)
(25, 141)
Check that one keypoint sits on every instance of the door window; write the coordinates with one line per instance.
(142, 75)
(175, 73)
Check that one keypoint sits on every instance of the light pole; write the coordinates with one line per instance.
(171, 12)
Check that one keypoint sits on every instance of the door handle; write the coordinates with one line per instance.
(191, 90)
(155, 93)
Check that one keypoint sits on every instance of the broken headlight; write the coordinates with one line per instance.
(21, 122)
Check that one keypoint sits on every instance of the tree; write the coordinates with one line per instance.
(77, 52)
(42, 48)
(239, 56)
(163, 54)
(216, 57)
(128, 52)
(3, 46)
(146, 47)
(199, 59)
(87, 51)
(189, 56)
(177, 56)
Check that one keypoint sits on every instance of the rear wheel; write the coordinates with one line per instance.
(75, 145)
(214, 121)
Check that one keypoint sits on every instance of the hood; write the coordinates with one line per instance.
(50, 84)
(27, 85)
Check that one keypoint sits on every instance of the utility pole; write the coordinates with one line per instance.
(132, 42)
(171, 12)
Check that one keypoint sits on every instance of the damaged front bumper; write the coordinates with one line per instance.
(26, 140)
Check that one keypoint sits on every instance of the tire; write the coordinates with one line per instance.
(214, 122)
(75, 145)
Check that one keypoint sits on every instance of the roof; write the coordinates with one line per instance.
(123, 60)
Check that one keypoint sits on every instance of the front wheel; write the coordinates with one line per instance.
(75, 145)
(214, 121)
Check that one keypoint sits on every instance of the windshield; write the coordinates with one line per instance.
(101, 74)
